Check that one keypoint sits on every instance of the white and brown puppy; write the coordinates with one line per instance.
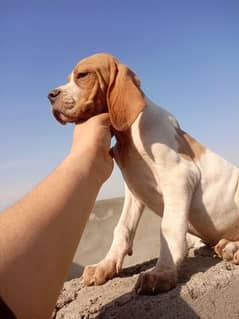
(164, 168)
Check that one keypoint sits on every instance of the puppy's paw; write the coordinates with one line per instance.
(228, 250)
(100, 273)
(155, 281)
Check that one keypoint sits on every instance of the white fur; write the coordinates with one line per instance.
(70, 90)
(200, 196)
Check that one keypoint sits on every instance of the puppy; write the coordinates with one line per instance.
(164, 168)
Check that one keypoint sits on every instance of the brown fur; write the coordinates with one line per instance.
(125, 98)
(188, 147)
(105, 85)
(112, 84)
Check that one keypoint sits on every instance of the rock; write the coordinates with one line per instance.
(208, 288)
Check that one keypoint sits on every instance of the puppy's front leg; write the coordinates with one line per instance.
(121, 246)
(173, 231)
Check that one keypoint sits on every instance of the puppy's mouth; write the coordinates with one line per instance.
(63, 118)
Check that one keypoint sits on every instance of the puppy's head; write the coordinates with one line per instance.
(99, 83)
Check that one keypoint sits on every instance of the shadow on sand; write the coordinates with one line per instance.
(76, 271)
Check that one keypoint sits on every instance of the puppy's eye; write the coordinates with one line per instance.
(82, 75)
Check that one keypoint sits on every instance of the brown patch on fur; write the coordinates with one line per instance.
(113, 84)
(125, 99)
(188, 147)
(104, 85)
(92, 99)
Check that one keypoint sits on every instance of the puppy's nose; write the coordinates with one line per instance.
(53, 95)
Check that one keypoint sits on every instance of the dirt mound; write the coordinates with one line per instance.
(207, 288)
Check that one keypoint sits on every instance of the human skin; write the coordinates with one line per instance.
(40, 233)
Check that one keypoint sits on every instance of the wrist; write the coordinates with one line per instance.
(87, 166)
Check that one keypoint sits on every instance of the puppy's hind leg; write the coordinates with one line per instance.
(228, 250)
(121, 246)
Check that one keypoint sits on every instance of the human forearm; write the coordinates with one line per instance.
(45, 228)
(39, 235)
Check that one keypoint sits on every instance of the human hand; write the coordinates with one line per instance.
(91, 141)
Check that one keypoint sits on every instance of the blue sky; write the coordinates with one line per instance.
(186, 54)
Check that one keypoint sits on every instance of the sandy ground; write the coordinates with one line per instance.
(208, 287)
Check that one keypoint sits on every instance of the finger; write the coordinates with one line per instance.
(79, 122)
(111, 152)
(103, 118)
(112, 131)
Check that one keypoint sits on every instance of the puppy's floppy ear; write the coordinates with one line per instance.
(125, 99)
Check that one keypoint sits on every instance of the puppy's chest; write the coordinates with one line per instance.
(141, 175)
